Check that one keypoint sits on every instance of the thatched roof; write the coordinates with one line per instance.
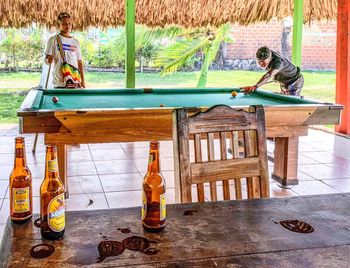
(187, 13)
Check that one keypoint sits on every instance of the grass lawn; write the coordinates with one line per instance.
(318, 85)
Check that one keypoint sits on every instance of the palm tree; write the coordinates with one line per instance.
(188, 44)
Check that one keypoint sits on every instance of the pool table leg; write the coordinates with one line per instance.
(62, 165)
(286, 160)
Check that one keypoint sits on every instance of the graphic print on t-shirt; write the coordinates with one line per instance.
(67, 47)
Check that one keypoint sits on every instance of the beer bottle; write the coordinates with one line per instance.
(52, 204)
(21, 197)
(153, 193)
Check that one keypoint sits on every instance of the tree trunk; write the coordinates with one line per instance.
(224, 53)
(141, 64)
(204, 72)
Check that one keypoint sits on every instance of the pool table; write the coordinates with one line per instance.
(124, 115)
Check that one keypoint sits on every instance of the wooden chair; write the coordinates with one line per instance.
(217, 125)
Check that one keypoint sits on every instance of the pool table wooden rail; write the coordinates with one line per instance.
(124, 125)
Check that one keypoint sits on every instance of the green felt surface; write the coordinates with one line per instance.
(135, 98)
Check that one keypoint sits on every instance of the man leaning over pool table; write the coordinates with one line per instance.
(279, 69)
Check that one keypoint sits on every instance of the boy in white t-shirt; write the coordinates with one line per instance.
(71, 50)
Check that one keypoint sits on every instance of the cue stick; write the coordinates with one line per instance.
(48, 75)
(271, 81)
(36, 134)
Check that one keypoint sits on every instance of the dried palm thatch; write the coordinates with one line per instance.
(159, 13)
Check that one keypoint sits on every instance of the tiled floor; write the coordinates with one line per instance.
(110, 175)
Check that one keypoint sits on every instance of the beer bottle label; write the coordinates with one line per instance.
(21, 202)
(52, 165)
(56, 213)
(144, 205)
(162, 207)
(151, 158)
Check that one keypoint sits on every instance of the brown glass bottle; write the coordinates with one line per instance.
(21, 198)
(153, 193)
(52, 203)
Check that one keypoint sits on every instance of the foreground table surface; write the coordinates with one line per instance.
(220, 234)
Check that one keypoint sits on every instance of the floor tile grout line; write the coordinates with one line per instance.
(98, 175)
(332, 186)
(339, 178)
(7, 189)
(2, 201)
(321, 181)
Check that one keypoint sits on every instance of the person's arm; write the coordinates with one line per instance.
(49, 52)
(81, 69)
(80, 64)
(262, 81)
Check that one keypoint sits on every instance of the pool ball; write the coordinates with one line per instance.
(234, 93)
(162, 105)
(55, 99)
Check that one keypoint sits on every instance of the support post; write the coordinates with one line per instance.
(297, 32)
(130, 43)
(286, 160)
(343, 64)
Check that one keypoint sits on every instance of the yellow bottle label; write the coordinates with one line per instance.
(144, 205)
(52, 165)
(56, 213)
(162, 207)
(151, 158)
(21, 201)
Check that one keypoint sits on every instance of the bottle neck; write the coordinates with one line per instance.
(20, 156)
(153, 161)
(51, 167)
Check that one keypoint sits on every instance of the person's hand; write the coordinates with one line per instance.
(49, 59)
(248, 89)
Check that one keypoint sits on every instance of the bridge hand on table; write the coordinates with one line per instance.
(248, 89)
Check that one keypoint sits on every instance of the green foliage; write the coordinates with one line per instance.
(107, 55)
(191, 62)
(145, 36)
(147, 42)
(23, 47)
(87, 48)
(104, 56)
(187, 46)
(34, 47)
(13, 48)
(145, 53)
(174, 56)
